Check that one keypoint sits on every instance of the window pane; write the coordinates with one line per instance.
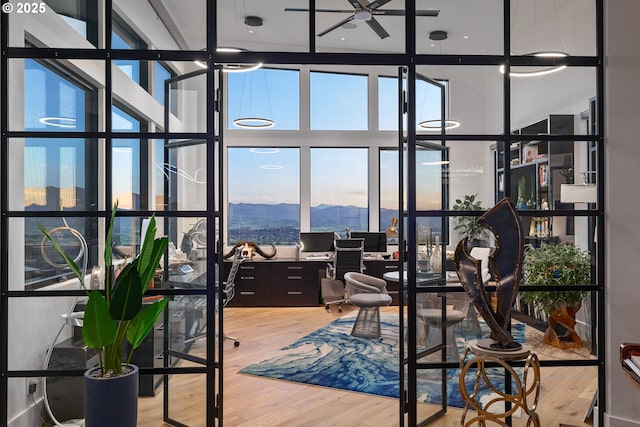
(264, 195)
(266, 94)
(161, 74)
(56, 23)
(339, 189)
(338, 101)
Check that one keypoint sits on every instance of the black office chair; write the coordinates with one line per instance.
(200, 329)
(348, 256)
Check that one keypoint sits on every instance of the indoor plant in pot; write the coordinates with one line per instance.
(468, 226)
(113, 318)
(563, 264)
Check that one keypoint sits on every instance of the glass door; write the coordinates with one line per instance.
(189, 177)
(424, 169)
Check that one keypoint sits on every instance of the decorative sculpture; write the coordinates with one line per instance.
(249, 249)
(506, 265)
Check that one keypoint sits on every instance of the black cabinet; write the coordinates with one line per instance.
(277, 283)
(377, 268)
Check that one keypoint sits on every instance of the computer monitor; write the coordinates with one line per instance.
(317, 241)
(373, 241)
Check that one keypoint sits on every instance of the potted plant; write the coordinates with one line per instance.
(110, 321)
(467, 226)
(563, 264)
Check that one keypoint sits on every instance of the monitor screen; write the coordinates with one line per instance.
(317, 241)
(373, 241)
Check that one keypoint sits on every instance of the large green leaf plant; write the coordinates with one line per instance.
(118, 314)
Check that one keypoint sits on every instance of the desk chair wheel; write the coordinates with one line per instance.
(236, 343)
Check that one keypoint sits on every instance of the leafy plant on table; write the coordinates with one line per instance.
(118, 314)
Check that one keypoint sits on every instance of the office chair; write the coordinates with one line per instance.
(228, 292)
(348, 256)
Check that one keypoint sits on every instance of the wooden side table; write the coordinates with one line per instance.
(502, 404)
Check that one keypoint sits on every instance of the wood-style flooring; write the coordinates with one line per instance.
(250, 401)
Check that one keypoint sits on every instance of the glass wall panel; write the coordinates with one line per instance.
(568, 91)
(267, 210)
(187, 104)
(477, 31)
(174, 24)
(69, 24)
(474, 99)
(53, 174)
(268, 94)
(278, 29)
(338, 101)
(553, 26)
(184, 175)
(52, 96)
(339, 189)
(37, 265)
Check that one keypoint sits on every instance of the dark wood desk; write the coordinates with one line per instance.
(291, 283)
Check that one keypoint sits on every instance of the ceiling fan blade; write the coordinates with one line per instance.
(375, 26)
(400, 12)
(295, 9)
(376, 4)
(356, 4)
(338, 25)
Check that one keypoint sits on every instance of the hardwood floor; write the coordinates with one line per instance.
(252, 401)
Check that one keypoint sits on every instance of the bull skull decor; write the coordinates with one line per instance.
(249, 249)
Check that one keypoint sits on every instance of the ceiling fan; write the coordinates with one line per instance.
(366, 13)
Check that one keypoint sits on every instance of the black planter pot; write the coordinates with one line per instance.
(110, 402)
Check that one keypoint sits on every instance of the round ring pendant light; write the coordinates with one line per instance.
(253, 123)
(436, 124)
(540, 71)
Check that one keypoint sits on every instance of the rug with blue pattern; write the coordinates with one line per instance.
(331, 357)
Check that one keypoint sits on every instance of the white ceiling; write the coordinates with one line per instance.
(474, 27)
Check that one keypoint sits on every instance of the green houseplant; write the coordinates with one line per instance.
(468, 226)
(563, 264)
(114, 318)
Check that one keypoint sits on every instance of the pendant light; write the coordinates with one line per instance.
(252, 121)
(437, 124)
(541, 54)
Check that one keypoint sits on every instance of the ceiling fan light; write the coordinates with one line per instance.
(362, 15)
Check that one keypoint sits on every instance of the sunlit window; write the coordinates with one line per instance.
(264, 195)
(339, 101)
(339, 189)
(267, 94)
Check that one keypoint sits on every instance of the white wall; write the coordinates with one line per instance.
(622, 151)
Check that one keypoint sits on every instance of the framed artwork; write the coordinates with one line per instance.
(529, 153)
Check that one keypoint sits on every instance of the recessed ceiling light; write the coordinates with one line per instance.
(342, 38)
(465, 37)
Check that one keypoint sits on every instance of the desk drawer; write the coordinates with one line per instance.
(251, 295)
(295, 293)
(298, 267)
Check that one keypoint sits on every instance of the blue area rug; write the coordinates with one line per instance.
(331, 357)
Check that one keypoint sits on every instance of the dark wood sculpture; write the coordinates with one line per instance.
(505, 263)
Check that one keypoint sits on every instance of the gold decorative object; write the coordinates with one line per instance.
(501, 405)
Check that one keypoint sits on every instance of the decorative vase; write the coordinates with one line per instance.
(561, 332)
(113, 401)
(435, 261)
